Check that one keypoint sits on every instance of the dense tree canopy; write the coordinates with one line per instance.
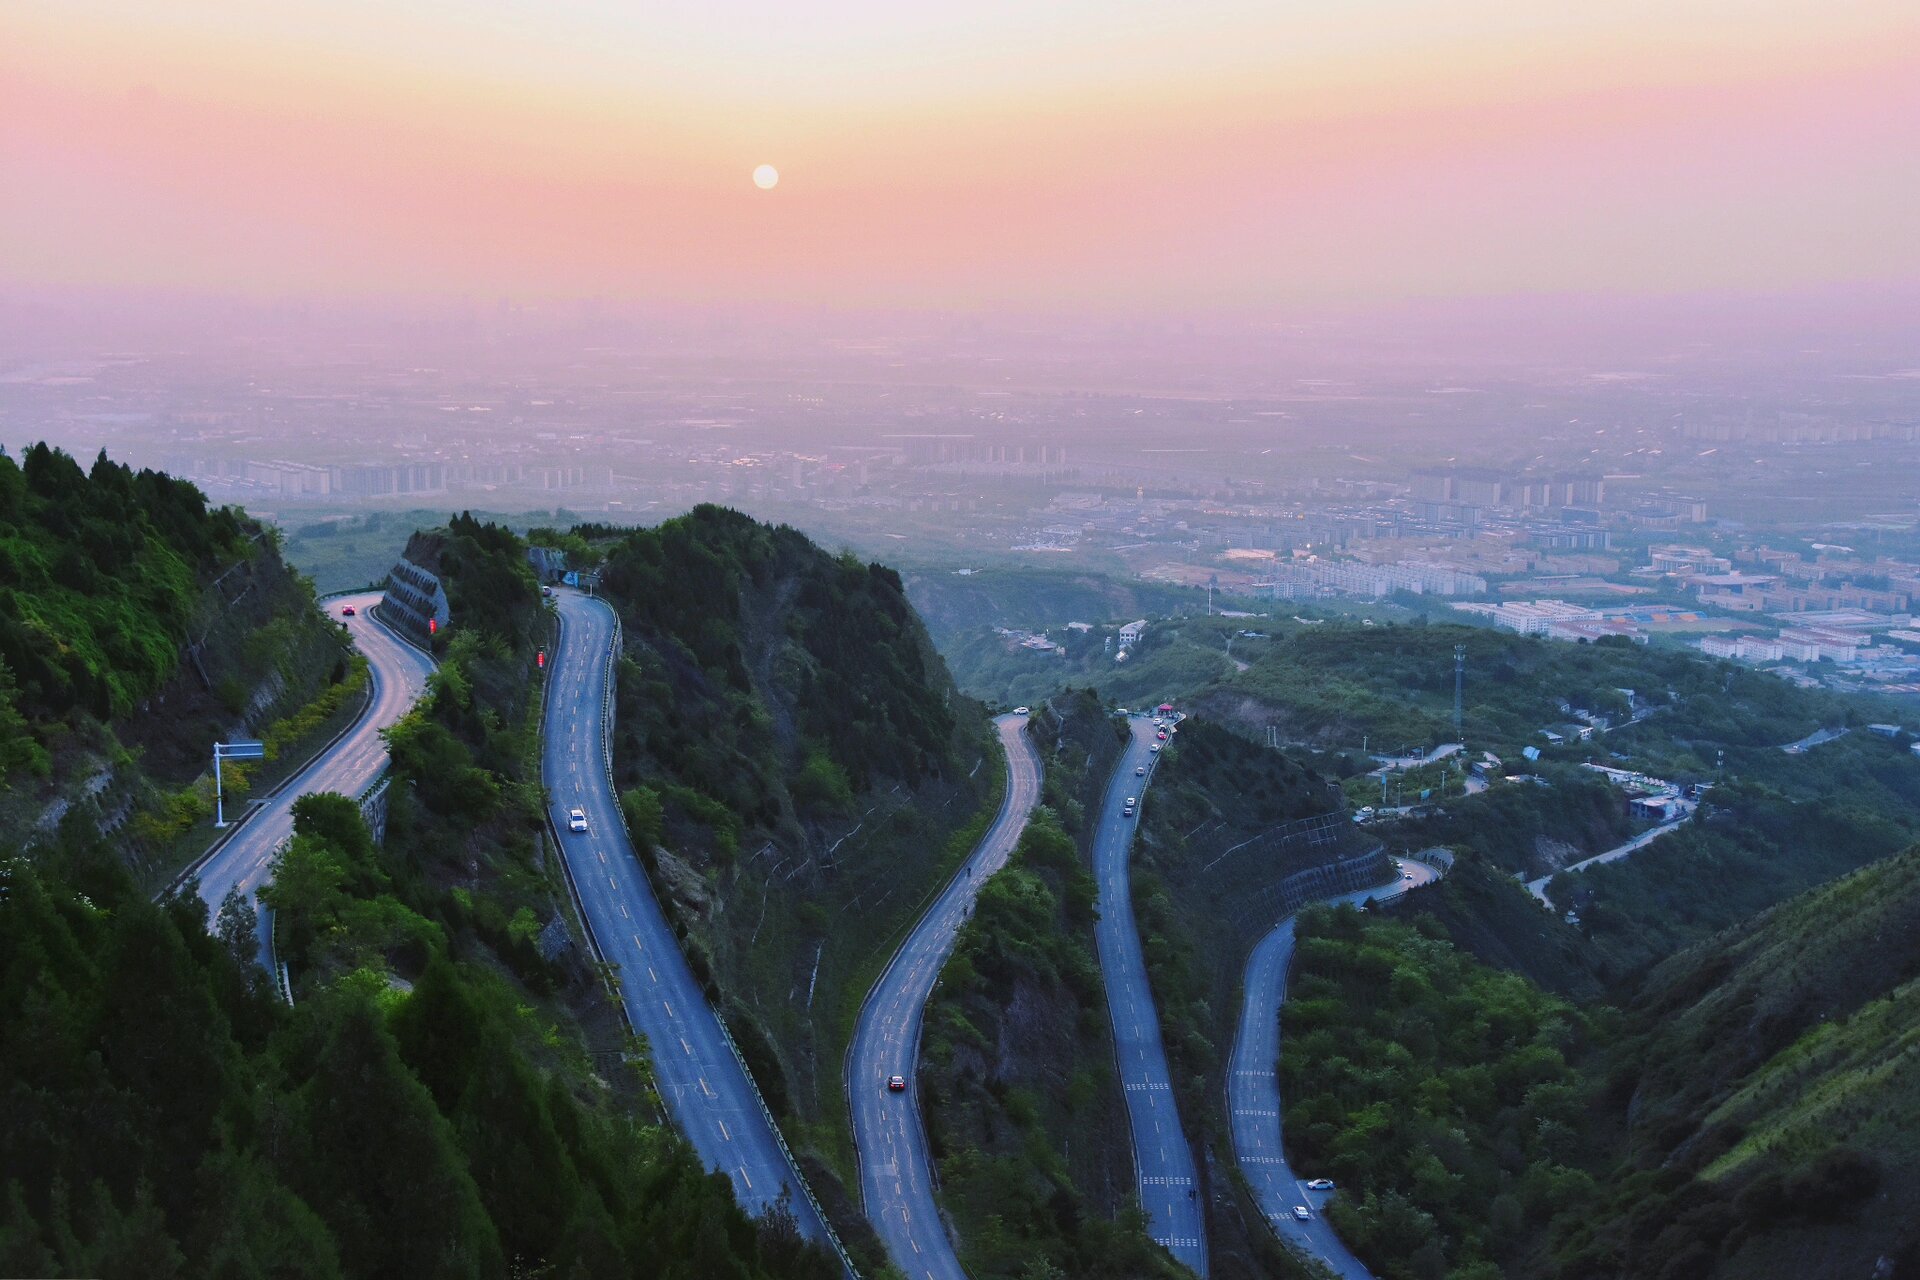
(99, 573)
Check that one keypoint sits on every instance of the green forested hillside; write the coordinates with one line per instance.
(802, 774)
(99, 573)
(1482, 910)
(1773, 824)
(443, 1100)
(163, 1115)
(1201, 892)
(1205, 889)
(1748, 1110)
(1771, 1097)
(1024, 1114)
(1440, 1094)
(136, 628)
(1018, 1071)
(1754, 843)
(830, 645)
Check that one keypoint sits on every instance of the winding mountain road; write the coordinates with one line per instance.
(398, 673)
(1163, 1161)
(896, 1181)
(1253, 1090)
(1538, 888)
(706, 1088)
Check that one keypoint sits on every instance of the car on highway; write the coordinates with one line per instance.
(1155, 748)
(1320, 1184)
(1163, 735)
(896, 1084)
(576, 819)
(347, 612)
(546, 591)
(1022, 711)
(1302, 1213)
(1139, 771)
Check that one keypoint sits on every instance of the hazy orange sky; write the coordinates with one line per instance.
(1067, 155)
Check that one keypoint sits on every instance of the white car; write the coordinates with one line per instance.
(1155, 748)
(576, 819)
(1320, 1184)
(1302, 1213)
(1139, 771)
(1021, 711)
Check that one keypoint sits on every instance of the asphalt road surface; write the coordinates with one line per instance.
(1538, 888)
(398, 674)
(706, 1090)
(1253, 1092)
(1163, 1162)
(896, 1184)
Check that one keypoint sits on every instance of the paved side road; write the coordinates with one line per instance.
(1163, 1162)
(398, 673)
(896, 1183)
(706, 1090)
(1253, 1091)
(1538, 888)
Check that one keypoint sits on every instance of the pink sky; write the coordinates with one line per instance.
(1215, 153)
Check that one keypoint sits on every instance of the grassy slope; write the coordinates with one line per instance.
(1772, 1097)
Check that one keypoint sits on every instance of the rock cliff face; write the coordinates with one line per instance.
(416, 600)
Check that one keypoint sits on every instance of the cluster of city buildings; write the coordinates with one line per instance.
(1315, 578)
(1557, 620)
(1785, 581)
(280, 479)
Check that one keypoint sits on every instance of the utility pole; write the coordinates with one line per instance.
(1459, 680)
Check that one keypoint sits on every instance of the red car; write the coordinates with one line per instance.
(347, 612)
(1163, 735)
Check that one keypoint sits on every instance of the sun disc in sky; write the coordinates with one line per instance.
(765, 177)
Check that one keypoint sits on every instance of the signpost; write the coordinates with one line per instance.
(230, 751)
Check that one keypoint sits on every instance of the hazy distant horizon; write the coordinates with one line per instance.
(1868, 322)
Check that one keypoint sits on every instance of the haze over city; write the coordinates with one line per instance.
(1211, 641)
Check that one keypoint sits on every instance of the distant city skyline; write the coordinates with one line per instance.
(1093, 158)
